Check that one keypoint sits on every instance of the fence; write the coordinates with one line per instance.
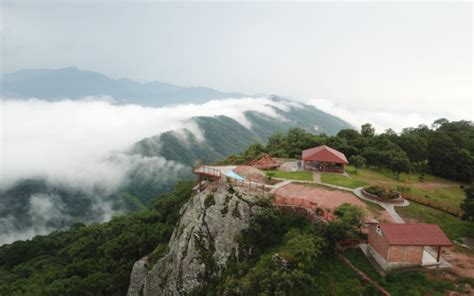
(308, 205)
(434, 205)
(249, 185)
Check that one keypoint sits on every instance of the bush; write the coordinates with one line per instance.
(382, 192)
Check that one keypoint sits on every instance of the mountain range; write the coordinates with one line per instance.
(37, 206)
(73, 83)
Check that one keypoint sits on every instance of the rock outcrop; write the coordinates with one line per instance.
(201, 245)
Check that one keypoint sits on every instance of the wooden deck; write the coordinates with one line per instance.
(204, 170)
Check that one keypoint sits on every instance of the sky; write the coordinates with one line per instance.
(379, 62)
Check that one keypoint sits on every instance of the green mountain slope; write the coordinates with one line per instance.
(164, 160)
(224, 136)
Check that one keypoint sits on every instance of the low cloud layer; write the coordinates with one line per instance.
(69, 141)
(395, 120)
(80, 149)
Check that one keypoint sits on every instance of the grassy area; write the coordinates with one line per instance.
(341, 180)
(452, 226)
(298, 175)
(433, 188)
(375, 209)
(398, 283)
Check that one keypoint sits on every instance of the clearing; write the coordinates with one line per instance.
(330, 199)
(447, 193)
(297, 175)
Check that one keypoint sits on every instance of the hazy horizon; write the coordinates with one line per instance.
(384, 63)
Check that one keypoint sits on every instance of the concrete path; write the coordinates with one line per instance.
(390, 208)
(279, 185)
(316, 177)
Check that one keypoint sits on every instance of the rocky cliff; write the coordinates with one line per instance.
(205, 238)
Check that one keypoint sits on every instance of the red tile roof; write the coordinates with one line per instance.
(324, 153)
(414, 235)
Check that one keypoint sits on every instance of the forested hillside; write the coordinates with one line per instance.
(223, 136)
(90, 260)
(445, 149)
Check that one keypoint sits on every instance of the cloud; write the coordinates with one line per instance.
(71, 141)
(44, 213)
(395, 120)
(81, 148)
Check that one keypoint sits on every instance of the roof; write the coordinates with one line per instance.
(419, 234)
(324, 153)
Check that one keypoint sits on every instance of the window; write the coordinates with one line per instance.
(378, 230)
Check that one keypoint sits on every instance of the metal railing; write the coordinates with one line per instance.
(252, 186)
(206, 170)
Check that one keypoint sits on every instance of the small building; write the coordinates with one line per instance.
(404, 245)
(324, 158)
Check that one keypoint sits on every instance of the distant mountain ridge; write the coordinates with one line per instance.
(73, 83)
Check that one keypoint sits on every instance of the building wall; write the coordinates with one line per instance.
(378, 242)
(411, 254)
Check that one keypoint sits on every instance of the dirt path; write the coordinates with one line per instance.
(390, 208)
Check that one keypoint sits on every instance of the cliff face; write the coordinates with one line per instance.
(201, 245)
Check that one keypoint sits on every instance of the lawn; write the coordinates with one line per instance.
(341, 180)
(298, 175)
(454, 228)
(446, 192)
(400, 283)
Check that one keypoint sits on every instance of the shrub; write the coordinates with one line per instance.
(382, 192)
(209, 201)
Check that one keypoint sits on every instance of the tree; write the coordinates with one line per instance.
(414, 146)
(398, 162)
(253, 151)
(348, 134)
(367, 130)
(350, 217)
(468, 204)
(304, 248)
(439, 122)
(357, 161)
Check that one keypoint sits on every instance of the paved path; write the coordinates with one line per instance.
(390, 208)
(279, 185)
(316, 177)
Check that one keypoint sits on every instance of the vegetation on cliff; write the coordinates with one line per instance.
(90, 260)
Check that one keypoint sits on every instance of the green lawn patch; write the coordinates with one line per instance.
(446, 192)
(298, 175)
(454, 228)
(341, 180)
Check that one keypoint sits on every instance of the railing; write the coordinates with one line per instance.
(206, 170)
(308, 205)
(434, 205)
(252, 186)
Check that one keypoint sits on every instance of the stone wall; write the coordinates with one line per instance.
(398, 200)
